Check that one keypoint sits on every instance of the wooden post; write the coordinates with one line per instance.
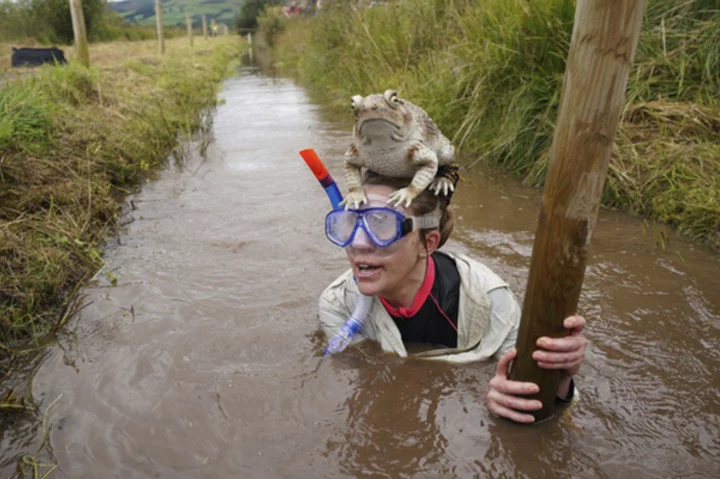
(204, 25)
(250, 39)
(78, 23)
(188, 20)
(159, 21)
(604, 39)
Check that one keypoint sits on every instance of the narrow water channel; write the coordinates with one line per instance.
(203, 359)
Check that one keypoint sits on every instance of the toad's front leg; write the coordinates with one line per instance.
(426, 161)
(353, 178)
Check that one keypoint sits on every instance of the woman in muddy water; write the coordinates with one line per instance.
(444, 301)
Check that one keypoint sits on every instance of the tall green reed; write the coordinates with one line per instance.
(490, 73)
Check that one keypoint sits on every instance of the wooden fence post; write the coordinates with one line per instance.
(604, 39)
(188, 20)
(204, 25)
(78, 23)
(159, 21)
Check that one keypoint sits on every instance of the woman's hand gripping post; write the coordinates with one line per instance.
(566, 354)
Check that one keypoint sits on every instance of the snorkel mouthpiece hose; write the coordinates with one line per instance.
(353, 324)
(322, 175)
(351, 327)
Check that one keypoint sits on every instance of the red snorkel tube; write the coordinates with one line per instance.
(352, 325)
(323, 176)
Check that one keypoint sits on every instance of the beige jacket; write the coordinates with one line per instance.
(488, 315)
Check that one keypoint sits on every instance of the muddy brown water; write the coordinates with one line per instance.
(203, 360)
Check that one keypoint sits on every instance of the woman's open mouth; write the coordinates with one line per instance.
(365, 270)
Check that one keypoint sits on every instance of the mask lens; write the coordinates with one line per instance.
(383, 224)
(339, 226)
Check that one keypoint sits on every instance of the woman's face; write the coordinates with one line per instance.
(384, 271)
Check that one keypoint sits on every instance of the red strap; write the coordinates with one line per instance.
(443, 313)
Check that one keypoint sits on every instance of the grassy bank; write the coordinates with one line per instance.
(72, 142)
(490, 72)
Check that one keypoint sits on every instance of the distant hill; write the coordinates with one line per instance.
(142, 12)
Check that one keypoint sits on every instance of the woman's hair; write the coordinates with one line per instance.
(425, 203)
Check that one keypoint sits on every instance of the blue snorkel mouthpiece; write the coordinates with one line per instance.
(351, 327)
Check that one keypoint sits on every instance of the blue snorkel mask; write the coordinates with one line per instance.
(382, 225)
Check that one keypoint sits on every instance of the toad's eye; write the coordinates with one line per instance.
(353, 105)
(395, 99)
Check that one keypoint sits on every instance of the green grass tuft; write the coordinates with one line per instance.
(24, 120)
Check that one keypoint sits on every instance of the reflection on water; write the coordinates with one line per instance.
(203, 360)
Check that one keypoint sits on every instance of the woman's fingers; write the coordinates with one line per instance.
(504, 364)
(568, 366)
(502, 396)
(511, 407)
(510, 414)
(513, 402)
(558, 358)
(566, 344)
(502, 385)
(575, 323)
(554, 363)
(568, 361)
(566, 353)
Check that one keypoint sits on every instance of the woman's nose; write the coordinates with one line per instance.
(361, 240)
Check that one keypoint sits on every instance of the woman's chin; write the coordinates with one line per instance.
(369, 286)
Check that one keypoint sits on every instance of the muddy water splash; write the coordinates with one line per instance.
(203, 360)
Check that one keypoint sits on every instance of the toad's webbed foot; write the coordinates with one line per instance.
(402, 197)
(354, 199)
(442, 184)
